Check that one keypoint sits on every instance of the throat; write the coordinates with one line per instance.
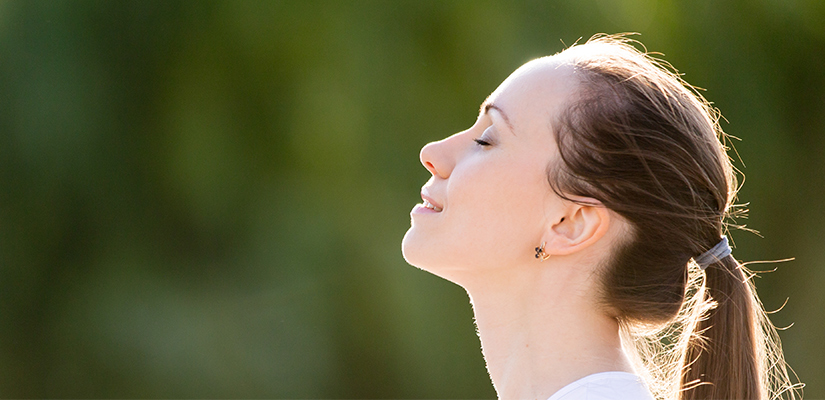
(536, 341)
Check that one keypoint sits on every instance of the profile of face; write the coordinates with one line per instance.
(488, 203)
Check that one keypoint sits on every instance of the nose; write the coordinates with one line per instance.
(437, 159)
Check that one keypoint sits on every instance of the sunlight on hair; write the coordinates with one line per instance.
(665, 353)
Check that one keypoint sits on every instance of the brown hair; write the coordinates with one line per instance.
(644, 143)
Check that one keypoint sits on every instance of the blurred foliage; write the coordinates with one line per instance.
(206, 199)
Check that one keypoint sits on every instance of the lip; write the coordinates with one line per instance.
(420, 209)
(425, 196)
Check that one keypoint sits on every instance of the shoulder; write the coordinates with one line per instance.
(605, 386)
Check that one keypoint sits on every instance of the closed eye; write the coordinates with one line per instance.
(482, 142)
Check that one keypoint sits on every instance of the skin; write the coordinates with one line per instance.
(540, 323)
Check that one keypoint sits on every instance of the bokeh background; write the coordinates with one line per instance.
(207, 199)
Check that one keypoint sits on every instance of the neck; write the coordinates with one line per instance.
(541, 330)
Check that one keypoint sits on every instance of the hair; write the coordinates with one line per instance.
(643, 142)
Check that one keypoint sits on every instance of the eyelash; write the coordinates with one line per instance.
(482, 142)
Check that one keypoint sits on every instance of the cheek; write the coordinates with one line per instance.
(493, 217)
(498, 207)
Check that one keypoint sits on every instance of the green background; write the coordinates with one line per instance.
(207, 199)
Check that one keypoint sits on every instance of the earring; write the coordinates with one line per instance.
(540, 254)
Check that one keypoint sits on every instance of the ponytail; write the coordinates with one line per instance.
(722, 356)
(733, 351)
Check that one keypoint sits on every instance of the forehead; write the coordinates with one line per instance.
(536, 92)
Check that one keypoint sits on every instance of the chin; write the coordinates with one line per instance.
(421, 250)
(410, 249)
(421, 254)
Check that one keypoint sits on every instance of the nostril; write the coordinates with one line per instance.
(430, 167)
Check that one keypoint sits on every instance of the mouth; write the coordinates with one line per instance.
(429, 205)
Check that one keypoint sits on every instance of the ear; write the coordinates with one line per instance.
(581, 225)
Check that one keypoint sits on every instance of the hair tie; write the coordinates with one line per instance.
(717, 253)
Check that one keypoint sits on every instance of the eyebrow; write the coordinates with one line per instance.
(488, 105)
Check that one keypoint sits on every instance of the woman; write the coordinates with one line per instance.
(583, 213)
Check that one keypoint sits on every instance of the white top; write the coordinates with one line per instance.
(613, 385)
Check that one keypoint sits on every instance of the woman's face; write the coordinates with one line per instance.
(488, 202)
